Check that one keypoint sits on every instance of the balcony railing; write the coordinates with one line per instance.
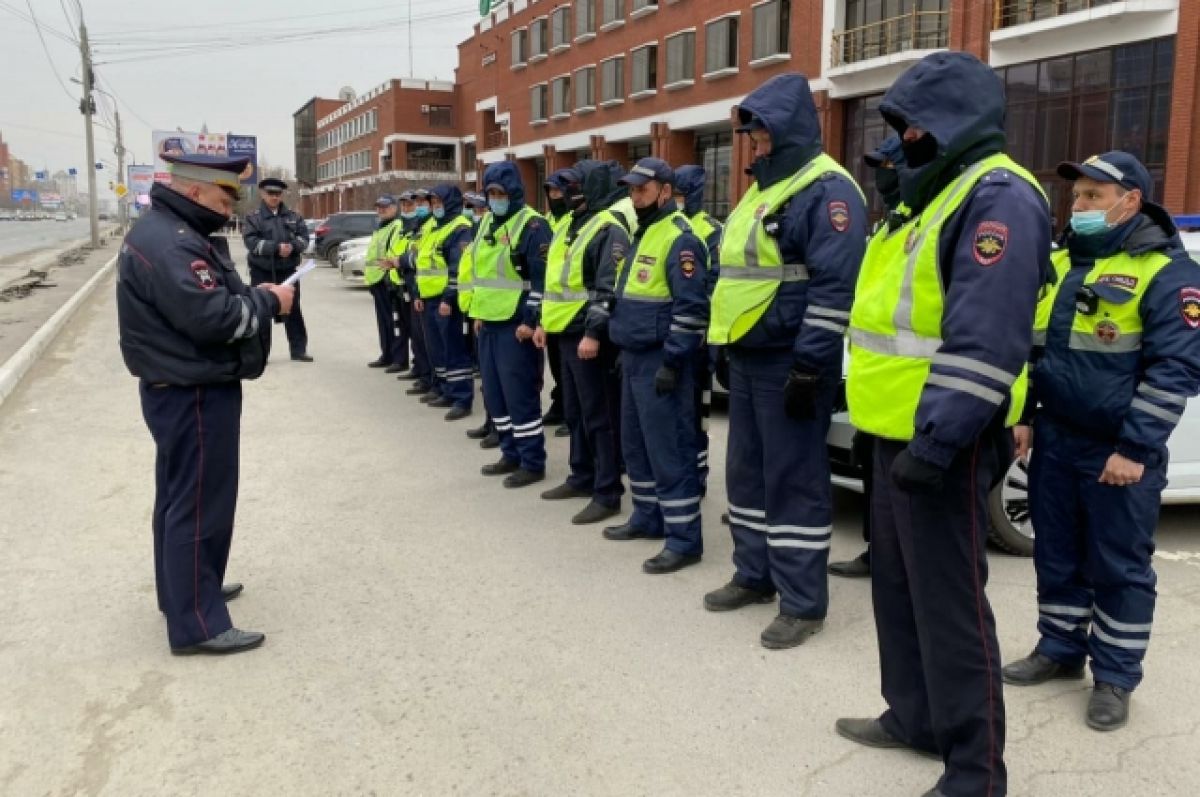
(430, 165)
(496, 139)
(919, 30)
(1019, 12)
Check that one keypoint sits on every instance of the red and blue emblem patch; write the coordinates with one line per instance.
(839, 215)
(687, 262)
(1189, 306)
(991, 239)
(203, 275)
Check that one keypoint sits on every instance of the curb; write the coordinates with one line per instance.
(14, 370)
(47, 259)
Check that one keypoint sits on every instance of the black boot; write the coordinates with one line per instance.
(480, 432)
(734, 596)
(858, 567)
(1108, 708)
(1037, 669)
(788, 631)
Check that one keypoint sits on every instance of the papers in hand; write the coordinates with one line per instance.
(305, 267)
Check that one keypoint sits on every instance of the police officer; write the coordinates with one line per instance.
(556, 200)
(509, 260)
(580, 270)
(191, 331)
(276, 237)
(885, 162)
(438, 254)
(939, 333)
(405, 252)
(377, 264)
(658, 320)
(789, 257)
(689, 198)
(1116, 357)
(401, 301)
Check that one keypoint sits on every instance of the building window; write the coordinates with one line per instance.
(470, 156)
(612, 79)
(585, 88)
(645, 68)
(431, 157)
(681, 57)
(714, 151)
(537, 103)
(721, 45)
(639, 150)
(614, 12)
(440, 116)
(643, 6)
(771, 26)
(875, 28)
(537, 38)
(864, 131)
(585, 17)
(520, 46)
(560, 28)
(560, 96)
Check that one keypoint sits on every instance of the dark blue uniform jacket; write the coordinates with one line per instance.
(529, 254)
(262, 234)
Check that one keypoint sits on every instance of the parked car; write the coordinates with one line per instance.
(7, 215)
(61, 217)
(341, 227)
(311, 225)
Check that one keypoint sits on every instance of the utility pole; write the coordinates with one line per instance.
(122, 205)
(87, 106)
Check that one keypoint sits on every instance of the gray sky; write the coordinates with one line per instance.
(174, 75)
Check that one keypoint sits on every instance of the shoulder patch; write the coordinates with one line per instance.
(1189, 306)
(203, 275)
(839, 215)
(991, 239)
(687, 263)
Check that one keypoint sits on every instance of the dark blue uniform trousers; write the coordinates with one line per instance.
(1093, 553)
(777, 479)
(401, 327)
(939, 659)
(591, 397)
(659, 443)
(196, 433)
(293, 322)
(511, 392)
(383, 318)
(420, 354)
(702, 408)
(453, 374)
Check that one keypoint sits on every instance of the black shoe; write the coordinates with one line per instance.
(870, 732)
(395, 368)
(563, 431)
(858, 567)
(480, 432)
(407, 376)
(523, 478)
(553, 417)
(627, 531)
(302, 358)
(430, 395)
(734, 596)
(491, 441)
(788, 631)
(457, 413)
(232, 641)
(419, 389)
(565, 490)
(934, 792)
(230, 591)
(380, 363)
(501, 467)
(1108, 707)
(440, 402)
(668, 561)
(594, 512)
(724, 518)
(1037, 669)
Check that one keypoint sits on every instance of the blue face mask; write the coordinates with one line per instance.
(439, 212)
(422, 211)
(470, 214)
(499, 206)
(1092, 222)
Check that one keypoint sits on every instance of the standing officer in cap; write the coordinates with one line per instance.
(939, 333)
(658, 320)
(556, 200)
(191, 331)
(404, 250)
(401, 312)
(377, 264)
(275, 238)
(1116, 357)
(789, 257)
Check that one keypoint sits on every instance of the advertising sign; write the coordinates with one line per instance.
(141, 178)
(24, 196)
(240, 146)
(184, 143)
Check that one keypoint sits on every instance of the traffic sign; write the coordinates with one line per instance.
(121, 190)
(72, 171)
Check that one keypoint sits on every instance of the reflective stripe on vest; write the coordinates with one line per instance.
(643, 275)
(896, 320)
(432, 274)
(752, 267)
(565, 294)
(498, 285)
(378, 249)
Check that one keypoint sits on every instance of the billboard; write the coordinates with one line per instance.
(141, 178)
(179, 142)
(24, 196)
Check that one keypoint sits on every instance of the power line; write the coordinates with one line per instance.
(71, 23)
(21, 15)
(128, 107)
(46, 49)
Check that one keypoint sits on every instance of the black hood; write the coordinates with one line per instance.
(958, 100)
(784, 107)
(506, 175)
(689, 181)
(598, 181)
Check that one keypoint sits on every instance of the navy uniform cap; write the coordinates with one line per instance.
(648, 169)
(420, 193)
(225, 172)
(474, 199)
(1111, 167)
(273, 183)
(385, 201)
(406, 196)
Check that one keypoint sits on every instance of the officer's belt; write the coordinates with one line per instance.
(569, 296)
(642, 298)
(788, 272)
(502, 284)
(902, 344)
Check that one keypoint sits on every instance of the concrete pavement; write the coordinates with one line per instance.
(431, 633)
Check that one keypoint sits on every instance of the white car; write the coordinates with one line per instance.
(351, 258)
(311, 225)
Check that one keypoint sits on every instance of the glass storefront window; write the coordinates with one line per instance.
(714, 152)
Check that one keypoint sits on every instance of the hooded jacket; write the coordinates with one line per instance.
(452, 248)
(989, 304)
(529, 252)
(1128, 399)
(807, 232)
(689, 181)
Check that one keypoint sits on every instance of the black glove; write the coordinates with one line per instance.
(915, 475)
(799, 395)
(666, 379)
(721, 366)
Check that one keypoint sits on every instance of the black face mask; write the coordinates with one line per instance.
(577, 203)
(646, 214)
(920, 152)
(887, 183)
(558, 206)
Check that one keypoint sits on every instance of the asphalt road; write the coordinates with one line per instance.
(430, 633)
(17, 237)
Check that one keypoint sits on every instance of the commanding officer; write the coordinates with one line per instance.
(438, 255)
(940, 332)
(789, 257)
(377, 263)
(275, 238)
(509, 256)
(191, 331)
(689, 198)
(1116, 357)
(658, 320)
(580, 270)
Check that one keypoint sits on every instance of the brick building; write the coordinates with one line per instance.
(546, 82)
